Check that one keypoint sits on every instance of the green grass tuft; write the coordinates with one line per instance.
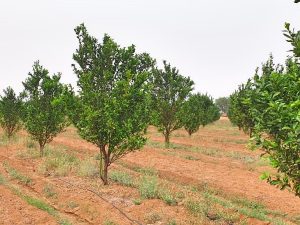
(13, 173)
(148, 187)
(40, 205)
(122, 178)
(59, 162)
(137, 201)
(88, 168)
(49, 191)
(167, 197)
(2, 179)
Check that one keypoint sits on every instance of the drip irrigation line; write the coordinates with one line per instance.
(104, 199)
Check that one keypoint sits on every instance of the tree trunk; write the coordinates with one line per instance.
(105, 173)
(42, 150)
(104, 162)
(167, 139)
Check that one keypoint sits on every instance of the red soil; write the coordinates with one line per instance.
(95, 202)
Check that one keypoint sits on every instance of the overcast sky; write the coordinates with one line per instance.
(217, 43)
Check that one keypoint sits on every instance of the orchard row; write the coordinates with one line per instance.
(268, 108)
(120, 93)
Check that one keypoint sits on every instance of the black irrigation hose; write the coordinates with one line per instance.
(104, 199)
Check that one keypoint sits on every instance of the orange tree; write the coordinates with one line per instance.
(10, 112)
(198, 110)
(45, 111)
(272, 104)
(170, 91)
(112, 108)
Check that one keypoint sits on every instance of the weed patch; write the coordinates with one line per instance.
(137, 201)
(167, 197)
(13, 173)
(58, 162)
(152, 218)
(49, 191)
(122, 178)
(88, 168)
(72, 205)
(148, 171)
(148, 187)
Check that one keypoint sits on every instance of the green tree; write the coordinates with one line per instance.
(239, 112)
(269, 105)
(199, 110)
(213, 113)
(223, 104)
(10, 112)
(112, 109)
(45, 108)
(276, 113)
(170, 91)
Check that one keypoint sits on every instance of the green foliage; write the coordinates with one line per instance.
(137, 201)
(223, 104)
(112, 109)
(10, 112)
(198, 110)
(40, 204)
(15, 174)
(148, 187)
(45, 109)
(271, 101)
(293, 37)
(122, 178)
(238, 112)
(170, 91)
(167, 197)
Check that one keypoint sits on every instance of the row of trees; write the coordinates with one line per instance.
(268, 108)
(120, 93)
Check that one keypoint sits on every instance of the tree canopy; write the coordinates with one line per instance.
(10, 112)
(170, 91)
(199, 110)
(45, 107)
(223, 104)
(112, 109)
(269, 106)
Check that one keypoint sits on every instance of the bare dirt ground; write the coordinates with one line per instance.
(210, 178)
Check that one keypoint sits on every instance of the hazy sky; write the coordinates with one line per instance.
(217, 43)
